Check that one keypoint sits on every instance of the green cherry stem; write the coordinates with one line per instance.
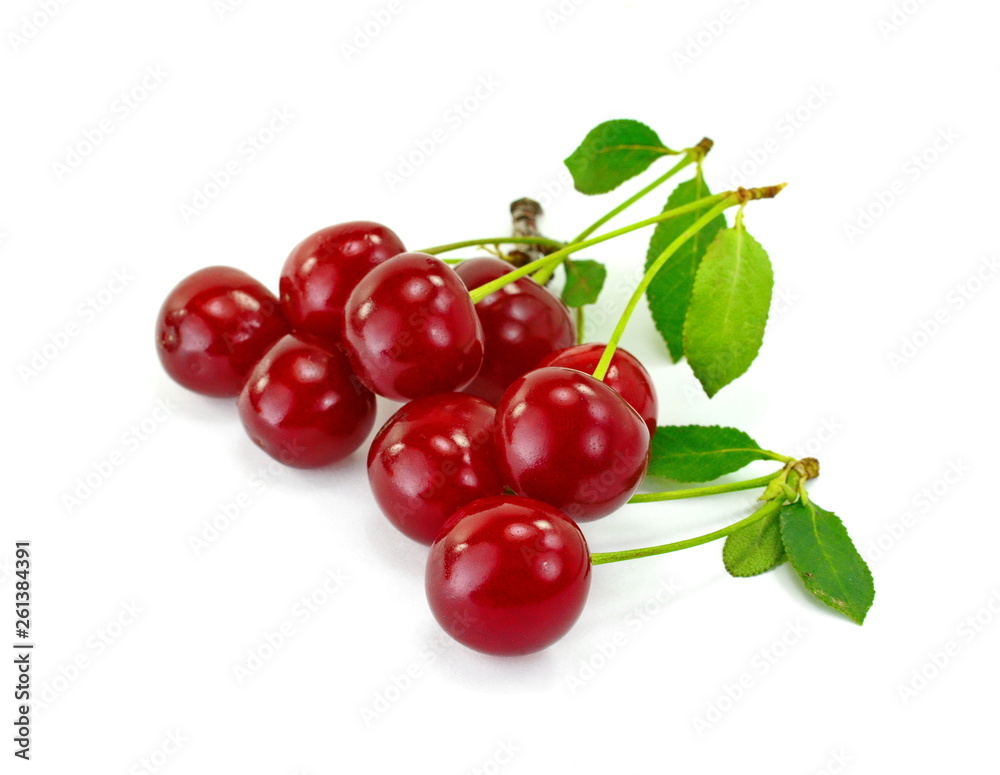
(483, 291)
(690, 231)
(691, 155)
(789, 483)
(768, 509)
(698, 492)
(549, 243)
(725, 200)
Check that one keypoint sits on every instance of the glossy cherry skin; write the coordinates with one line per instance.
(625, 374)
(303, 405)
(508, 575)
(214, 326)
(411, 329)
(522, 323)
(325, 267)
(433, 456)
(569, 440)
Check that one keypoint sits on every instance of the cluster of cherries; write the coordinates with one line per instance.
(499, 400)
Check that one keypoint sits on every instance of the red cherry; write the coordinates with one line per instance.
(625, 374)
(508, 575)
(303, 405)
(325, 267)
(214, 326)
(568, 439)
(411, 329)
(433, 456)
(522, 323)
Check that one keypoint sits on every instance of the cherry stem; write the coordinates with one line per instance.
(656, 266)
(691, 155)
(689, 158)
(698, 492)
(768, 509)
(544, 241)
(728, 199)
(480, 293)
(793, 476)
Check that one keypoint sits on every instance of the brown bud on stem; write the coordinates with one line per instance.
(704, 146)
(744, 195)
(524, 217)
(807, 468)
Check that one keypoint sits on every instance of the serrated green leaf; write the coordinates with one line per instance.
(826, 559)
(754, 549)
(611, 153)
(725, 322)
(701, 453)
(669, 294)
(584, 281)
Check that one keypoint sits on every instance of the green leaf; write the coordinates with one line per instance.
(611, 153)
(754, 549)
(701, 453)
(825, 557)
(730, 301)
(584, 281)
(669, 294)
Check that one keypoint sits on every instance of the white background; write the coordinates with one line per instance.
(817, 692)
